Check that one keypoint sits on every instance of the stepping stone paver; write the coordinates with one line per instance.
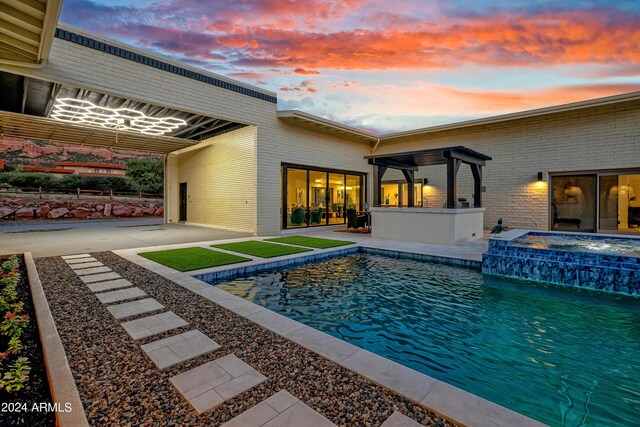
(65, 257)
(110, 284)
(179, 348)
(99, 277)
(280, 410)
(86, 265)
(151, 325)
(398, 419)
(119, 295)
(80, 260)
(210, 385)
(94, 270)
(133, 308)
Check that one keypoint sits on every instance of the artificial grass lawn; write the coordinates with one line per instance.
(311, 242)
(261, 249)
(192, 258)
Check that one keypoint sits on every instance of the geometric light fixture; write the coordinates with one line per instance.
(78, 111)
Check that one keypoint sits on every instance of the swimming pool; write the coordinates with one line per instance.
(561, 356)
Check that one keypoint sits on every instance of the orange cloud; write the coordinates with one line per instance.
(305, 72)
(502, 40)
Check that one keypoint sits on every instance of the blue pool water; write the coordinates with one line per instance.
(562, 356)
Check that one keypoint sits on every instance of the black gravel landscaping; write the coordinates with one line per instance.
(119, 385)
(30, 405)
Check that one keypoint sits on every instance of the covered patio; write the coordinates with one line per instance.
(448, 225)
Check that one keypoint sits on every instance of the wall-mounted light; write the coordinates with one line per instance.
(77, 111)
(540, 176)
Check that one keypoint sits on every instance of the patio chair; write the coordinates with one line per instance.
(354, 220)
(297, 216)
(316, 216)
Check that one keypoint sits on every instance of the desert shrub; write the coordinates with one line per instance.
(29, 180)
(118, 184)
(146, 175)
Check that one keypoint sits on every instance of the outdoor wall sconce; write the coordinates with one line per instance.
(540, 176)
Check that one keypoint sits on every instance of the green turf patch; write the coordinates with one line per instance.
(192, 258)
(261, 249)
(311, 242)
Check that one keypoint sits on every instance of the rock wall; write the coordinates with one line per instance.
(17, 209)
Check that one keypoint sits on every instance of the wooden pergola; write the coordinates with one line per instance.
(409, 162)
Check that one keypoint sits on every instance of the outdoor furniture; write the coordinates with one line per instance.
(354, 220)
(315, 217)
(297, 216)
(634, 216)
(367, 217)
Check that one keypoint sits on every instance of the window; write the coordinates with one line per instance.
(314, 197)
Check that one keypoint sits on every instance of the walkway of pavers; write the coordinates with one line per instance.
(209, 385)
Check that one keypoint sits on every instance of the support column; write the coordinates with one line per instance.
(165, 189)
(409, 177)
(476, 170)
(378, 173)
(453, 165)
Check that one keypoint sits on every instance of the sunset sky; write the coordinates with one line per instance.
(393, 65)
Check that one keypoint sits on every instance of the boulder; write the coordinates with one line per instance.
(57, 213)
(138, 212)
(159, 212)
(81, 213)
(99, 208)
(107, 209)
(42, 211)
(122, 210)
(5, 212)
(149, 210)
(24, 213)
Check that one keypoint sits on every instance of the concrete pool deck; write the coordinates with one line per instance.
(442, 398)
(65, 238)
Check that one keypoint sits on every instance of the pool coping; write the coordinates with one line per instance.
(446, 400)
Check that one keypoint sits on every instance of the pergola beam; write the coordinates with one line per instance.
(464, 157)
(393, 164)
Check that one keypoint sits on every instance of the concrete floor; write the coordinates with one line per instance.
(44, 240)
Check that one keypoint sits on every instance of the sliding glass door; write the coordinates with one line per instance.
(619, 202)
(314, 197)
(573, 203)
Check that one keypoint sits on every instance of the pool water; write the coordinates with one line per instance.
(562, 356)
(594, 244)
